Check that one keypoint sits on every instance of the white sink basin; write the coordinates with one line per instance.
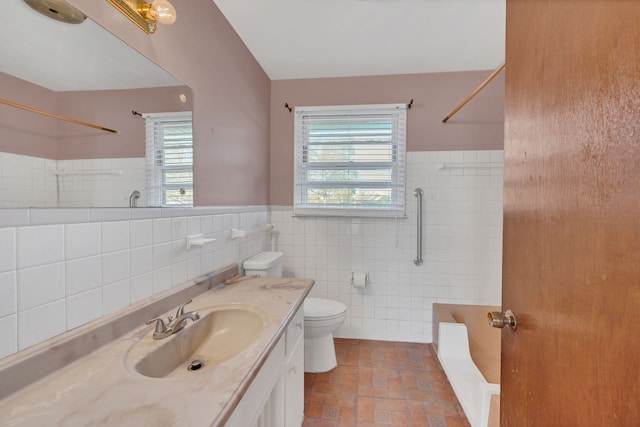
(221, 333)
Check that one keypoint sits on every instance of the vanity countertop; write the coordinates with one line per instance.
(99, 389)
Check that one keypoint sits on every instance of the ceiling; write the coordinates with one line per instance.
(289, 38)
(31, 43)
(332, 38)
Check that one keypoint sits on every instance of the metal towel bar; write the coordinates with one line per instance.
(418, 259)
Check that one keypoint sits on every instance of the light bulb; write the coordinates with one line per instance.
(163, 12)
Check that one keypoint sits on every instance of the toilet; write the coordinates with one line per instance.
(264, 264)
(322, 317)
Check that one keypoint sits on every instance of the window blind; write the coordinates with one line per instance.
(169, 154)
(350, 160)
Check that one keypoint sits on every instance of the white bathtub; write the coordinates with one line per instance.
(469, 352)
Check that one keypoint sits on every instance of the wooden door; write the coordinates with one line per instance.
(571, 270)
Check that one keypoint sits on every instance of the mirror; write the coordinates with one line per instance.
(83, 72)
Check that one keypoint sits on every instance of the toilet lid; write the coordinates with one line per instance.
(319, 308)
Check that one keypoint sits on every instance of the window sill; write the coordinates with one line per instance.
(351, 213)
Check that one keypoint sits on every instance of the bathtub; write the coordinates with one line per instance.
(469, 352)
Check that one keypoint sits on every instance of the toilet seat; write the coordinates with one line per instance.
(316, 309)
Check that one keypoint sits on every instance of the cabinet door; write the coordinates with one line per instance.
(261, 405)
(295, 330)
(294, 386)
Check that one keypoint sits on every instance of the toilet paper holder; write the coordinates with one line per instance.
(359, 280)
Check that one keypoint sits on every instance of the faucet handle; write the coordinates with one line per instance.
(161, 327)
(180, 311)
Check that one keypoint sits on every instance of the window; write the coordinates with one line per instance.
(169, 153)
(350, 160)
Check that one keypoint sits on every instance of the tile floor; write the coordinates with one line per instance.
(379, 383)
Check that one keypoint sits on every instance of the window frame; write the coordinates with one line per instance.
(397, 164)
(156, 173)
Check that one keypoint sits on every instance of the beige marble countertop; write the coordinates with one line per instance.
(101, 389)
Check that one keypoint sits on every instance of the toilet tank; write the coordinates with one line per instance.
(264, 264)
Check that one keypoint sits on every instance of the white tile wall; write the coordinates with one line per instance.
(115, 236)
(69, 274)
(115, 296)
(83, 308)
(141, 287)
(161, 230)
(141, 260)
(90, 269)
(101, 182)
(27, 181)
(40, 285)
(9, 343)
(8, 294)
(462, 248)
(82, 240)
(83, 274)
(40, 245)
(7, 249)
(115, 267)
(39, 323)
(141, 233)
(32, 181)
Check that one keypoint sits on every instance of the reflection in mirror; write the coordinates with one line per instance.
(83, 72)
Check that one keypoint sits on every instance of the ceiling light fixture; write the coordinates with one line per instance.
(146, 15)
(59, 10)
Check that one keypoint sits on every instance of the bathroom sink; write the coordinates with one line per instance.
(221, 333)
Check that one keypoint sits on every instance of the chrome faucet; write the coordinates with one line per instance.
(163, 330)
(181, 320)
(133, 199)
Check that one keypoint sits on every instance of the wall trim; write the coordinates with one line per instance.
(20, 217)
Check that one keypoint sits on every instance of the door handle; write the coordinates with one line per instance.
(500, 320)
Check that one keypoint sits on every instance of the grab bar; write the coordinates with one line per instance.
(418, 259)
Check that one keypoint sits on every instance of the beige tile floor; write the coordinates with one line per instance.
(379, 383)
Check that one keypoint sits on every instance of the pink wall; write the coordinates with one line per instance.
(112, 109)
(231, 96)
(28, 133)
(478, 126)
(23, 132)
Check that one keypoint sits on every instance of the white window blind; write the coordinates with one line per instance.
(169, 153)
(350, 160)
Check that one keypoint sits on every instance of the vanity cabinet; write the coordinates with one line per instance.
(263, 403)
(275, 398)
(99, 367)
(294, 372)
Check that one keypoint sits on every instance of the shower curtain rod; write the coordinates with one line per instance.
(474, 93)
(55, 116)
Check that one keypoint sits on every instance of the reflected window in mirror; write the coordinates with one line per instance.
(169, 154)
